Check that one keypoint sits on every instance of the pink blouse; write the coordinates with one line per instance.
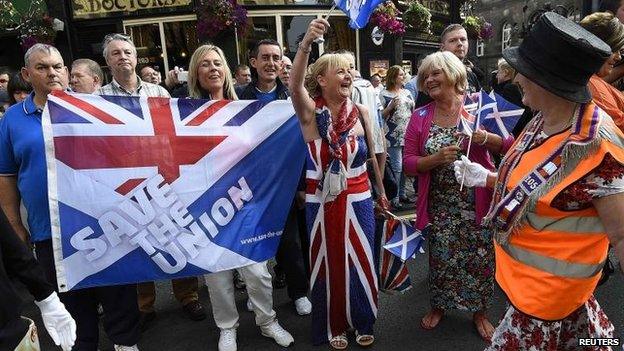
(415, 138)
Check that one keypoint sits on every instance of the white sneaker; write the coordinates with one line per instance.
(126, 348)
(227, 340)
(249, 305)
(277, 333)
(303, 306)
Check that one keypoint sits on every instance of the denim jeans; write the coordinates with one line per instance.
(395, 154)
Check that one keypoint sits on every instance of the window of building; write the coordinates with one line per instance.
(506, 36)
(181, 41)
(258, 28)
(147, 39)
(340, 35)
(293, 30)
(480, 47)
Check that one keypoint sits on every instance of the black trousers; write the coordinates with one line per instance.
(121, 311)
(290, 257)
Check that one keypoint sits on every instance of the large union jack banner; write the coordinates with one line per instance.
(154, 188)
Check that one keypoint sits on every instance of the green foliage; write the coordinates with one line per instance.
(417, 16)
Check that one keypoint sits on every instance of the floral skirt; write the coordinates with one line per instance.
(517, 331)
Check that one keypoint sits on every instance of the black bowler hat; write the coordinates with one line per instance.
(560, 56)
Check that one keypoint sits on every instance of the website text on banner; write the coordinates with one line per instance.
(143, 189)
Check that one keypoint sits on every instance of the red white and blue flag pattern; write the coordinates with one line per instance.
(393, 273)
(344, 288)
(147, 188)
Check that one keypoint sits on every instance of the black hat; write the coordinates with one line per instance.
(560, 56)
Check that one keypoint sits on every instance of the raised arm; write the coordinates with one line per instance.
(303, 103)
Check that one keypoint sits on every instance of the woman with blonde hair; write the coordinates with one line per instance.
(338, 199)
(461, 256)
(397, 104)
(209, 77)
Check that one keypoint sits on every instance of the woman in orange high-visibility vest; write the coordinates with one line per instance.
(558, 196)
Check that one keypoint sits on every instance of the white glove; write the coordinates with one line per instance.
(58, 322)
(475, 174)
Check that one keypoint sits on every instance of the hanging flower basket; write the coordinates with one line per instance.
(418, 16)
(487, 31)
(216, 16)
(385, 17)
(478, 28)
(32, 25)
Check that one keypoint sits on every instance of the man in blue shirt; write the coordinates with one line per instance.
(266, 58)
(23, 176)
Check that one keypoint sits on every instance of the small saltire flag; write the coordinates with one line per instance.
(393, 274)
(404, 241)
(498, 115)
(358, 11)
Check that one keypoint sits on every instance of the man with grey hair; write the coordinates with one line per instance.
(22, 156)
(121, 56)
(86, 76)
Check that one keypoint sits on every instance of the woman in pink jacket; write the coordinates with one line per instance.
(461, 257)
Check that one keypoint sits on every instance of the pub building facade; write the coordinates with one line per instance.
(164, 31)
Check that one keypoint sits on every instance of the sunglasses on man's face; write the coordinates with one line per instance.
(2, 80)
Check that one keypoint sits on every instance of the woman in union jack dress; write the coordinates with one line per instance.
(340, 211)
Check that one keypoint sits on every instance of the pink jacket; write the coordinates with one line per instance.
(415, 138)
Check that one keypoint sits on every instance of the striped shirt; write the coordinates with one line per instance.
(143, 89)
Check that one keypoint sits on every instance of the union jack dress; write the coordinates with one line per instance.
(343, 281)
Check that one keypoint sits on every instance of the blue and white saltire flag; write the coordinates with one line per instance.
(143, 188)
(498, 115)
(405, 241)
(358, 11)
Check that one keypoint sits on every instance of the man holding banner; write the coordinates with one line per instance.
(120, 55)
(23, 176)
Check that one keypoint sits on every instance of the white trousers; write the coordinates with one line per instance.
(259, 289)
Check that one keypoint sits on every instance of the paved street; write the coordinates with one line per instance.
(398, 326)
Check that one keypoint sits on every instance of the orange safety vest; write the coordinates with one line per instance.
(551, 263)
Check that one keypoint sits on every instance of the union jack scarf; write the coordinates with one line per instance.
(335, 181)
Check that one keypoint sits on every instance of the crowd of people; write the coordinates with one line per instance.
(536, 211)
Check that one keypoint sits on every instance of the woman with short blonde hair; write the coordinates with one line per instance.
(338, 133)
(447, 62)
(461, 256)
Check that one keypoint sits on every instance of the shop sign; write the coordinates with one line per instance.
(377, 36)
(379, 67)
(440, 7)
(99, 8)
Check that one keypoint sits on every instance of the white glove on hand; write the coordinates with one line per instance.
(58, 322)
(476, 175)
